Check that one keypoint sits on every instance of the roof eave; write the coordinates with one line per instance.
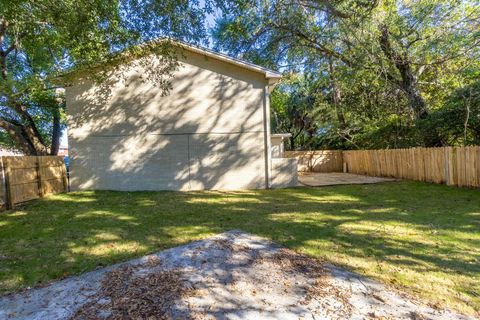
(281, 135)
(269, 74)
(272, 76)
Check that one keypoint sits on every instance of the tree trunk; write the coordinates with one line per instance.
(18, 135)
(409, 85)
(292, 143)
(415, 100)
(336, 95)
(26, 137)
(30, 129)
(22, 130)
(56, 133)
(408, 82)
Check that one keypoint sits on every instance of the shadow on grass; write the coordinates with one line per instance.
(397, 232)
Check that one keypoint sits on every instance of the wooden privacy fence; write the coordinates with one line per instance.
(29, 177)
(459, 166)
(318, 160)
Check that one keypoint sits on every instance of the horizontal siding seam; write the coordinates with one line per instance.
(172, 134)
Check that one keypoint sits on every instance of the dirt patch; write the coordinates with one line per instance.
(129, 293)
(294, 263)
(321, 289)
(231, 276)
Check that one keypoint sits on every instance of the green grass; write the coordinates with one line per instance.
(422, 238)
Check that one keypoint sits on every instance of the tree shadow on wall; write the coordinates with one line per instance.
(207, 132)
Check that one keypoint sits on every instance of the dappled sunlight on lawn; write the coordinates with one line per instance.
(383, 210)
(396, 232)
(473, 214)
(14, 214)
(325, 198)
(387, 231)
(104, 213)
(145, 203)
(81, 196)
(107, 249)
(186, 233)
(228, 199)
(314, 219)
(106, 236)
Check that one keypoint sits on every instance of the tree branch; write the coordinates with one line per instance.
(314, 44)
(17, 134)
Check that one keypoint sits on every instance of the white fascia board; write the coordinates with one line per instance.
(273, 76)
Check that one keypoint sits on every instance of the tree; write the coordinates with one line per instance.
(39, 40)
(424, 37)
(295, 110)
(458, 122)
(391, 62)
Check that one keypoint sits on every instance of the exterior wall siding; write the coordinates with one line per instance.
(207, 132)
(284, 172)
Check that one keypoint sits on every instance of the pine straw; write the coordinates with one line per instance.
(128, 296)
(291, 261)
(125, 294)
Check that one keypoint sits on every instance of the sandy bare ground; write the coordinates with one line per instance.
(233, 275)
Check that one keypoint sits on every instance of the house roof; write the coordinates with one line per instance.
(282, 136)
(269, 74)
(272, 75)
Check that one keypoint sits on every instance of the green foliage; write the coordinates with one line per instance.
(295, 110)
(39, 40)
(361, 74)
(384, 73)
(458, 122)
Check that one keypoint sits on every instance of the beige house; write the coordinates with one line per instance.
(211, 130)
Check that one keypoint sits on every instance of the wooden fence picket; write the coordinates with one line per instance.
(458, 166)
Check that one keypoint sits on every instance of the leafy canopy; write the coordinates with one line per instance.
(41, 39)
(382, 68)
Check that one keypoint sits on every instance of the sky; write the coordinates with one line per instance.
(64, 139)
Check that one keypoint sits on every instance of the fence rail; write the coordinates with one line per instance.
(29, 177)
(318, 160)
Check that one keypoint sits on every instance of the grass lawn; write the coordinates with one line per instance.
(420, 237)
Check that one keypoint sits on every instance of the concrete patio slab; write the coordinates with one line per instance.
(318, 179)
(233, 275)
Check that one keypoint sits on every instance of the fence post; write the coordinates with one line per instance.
(39, 176)
(64, 176)
(9, 204)
(4, 184)
(448, 166)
